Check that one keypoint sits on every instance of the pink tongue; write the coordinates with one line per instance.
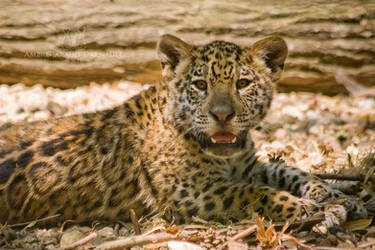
(223, 137)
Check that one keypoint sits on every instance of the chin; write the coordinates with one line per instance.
(223, 151)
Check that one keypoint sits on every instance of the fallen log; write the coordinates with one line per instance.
(68, 43)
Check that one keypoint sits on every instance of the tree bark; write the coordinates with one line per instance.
(71, 43)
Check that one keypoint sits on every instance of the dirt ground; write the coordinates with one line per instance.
(314, 132)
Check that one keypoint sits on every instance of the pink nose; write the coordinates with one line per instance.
(222, 116)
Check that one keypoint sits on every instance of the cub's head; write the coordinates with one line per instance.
(220, 90)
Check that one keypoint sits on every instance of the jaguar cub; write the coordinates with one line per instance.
(180, 149)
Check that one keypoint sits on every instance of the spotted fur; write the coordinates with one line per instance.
(156, 153)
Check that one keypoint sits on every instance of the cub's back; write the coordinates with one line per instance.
(33, 162)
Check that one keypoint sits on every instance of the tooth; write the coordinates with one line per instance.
(213, 140)
(234, 139)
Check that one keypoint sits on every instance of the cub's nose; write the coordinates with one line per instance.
(221, 108)
(222, 116)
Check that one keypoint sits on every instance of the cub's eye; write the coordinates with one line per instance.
(200, 84)
(242, 83)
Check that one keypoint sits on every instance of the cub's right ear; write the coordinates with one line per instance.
(172, 51)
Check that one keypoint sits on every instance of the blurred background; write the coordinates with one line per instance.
(66, 44)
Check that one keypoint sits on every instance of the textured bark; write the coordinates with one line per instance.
(71, 43)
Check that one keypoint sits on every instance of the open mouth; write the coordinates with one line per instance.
(224, 144)
(223, 137)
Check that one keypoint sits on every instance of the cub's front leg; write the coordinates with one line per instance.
(306, 186)
(212, 198)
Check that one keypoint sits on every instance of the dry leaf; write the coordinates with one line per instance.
(354, 225)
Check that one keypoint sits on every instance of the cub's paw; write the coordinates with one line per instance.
(355, 207)
(334, 215)
(318, 192)
(323, 194)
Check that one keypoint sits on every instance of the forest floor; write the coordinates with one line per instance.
(316, 133)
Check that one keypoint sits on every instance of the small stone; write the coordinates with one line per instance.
(104, 234)
(107, 233)
(70, 237)
(56, 108)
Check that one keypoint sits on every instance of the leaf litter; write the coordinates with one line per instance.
(316, 133)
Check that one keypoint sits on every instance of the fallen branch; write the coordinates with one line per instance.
(301, 224)
(341, 177)
(81, 242)
(137, 240)
(32, 223)
(367, 164)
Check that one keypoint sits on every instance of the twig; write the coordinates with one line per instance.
(137, 240)
(301, 224)
(244, 233)
(64, 223)
(251, 229)
(342, 177)
(199, 220)
(350, 162)
(154, 229)
(82, 241)
(134, 220)
(34, 221)
(329, 248)
(195, 226)
(294, 239)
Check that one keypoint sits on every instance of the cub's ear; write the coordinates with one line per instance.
(172, 51)
(273, 51)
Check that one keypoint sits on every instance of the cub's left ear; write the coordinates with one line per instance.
(273, 51)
